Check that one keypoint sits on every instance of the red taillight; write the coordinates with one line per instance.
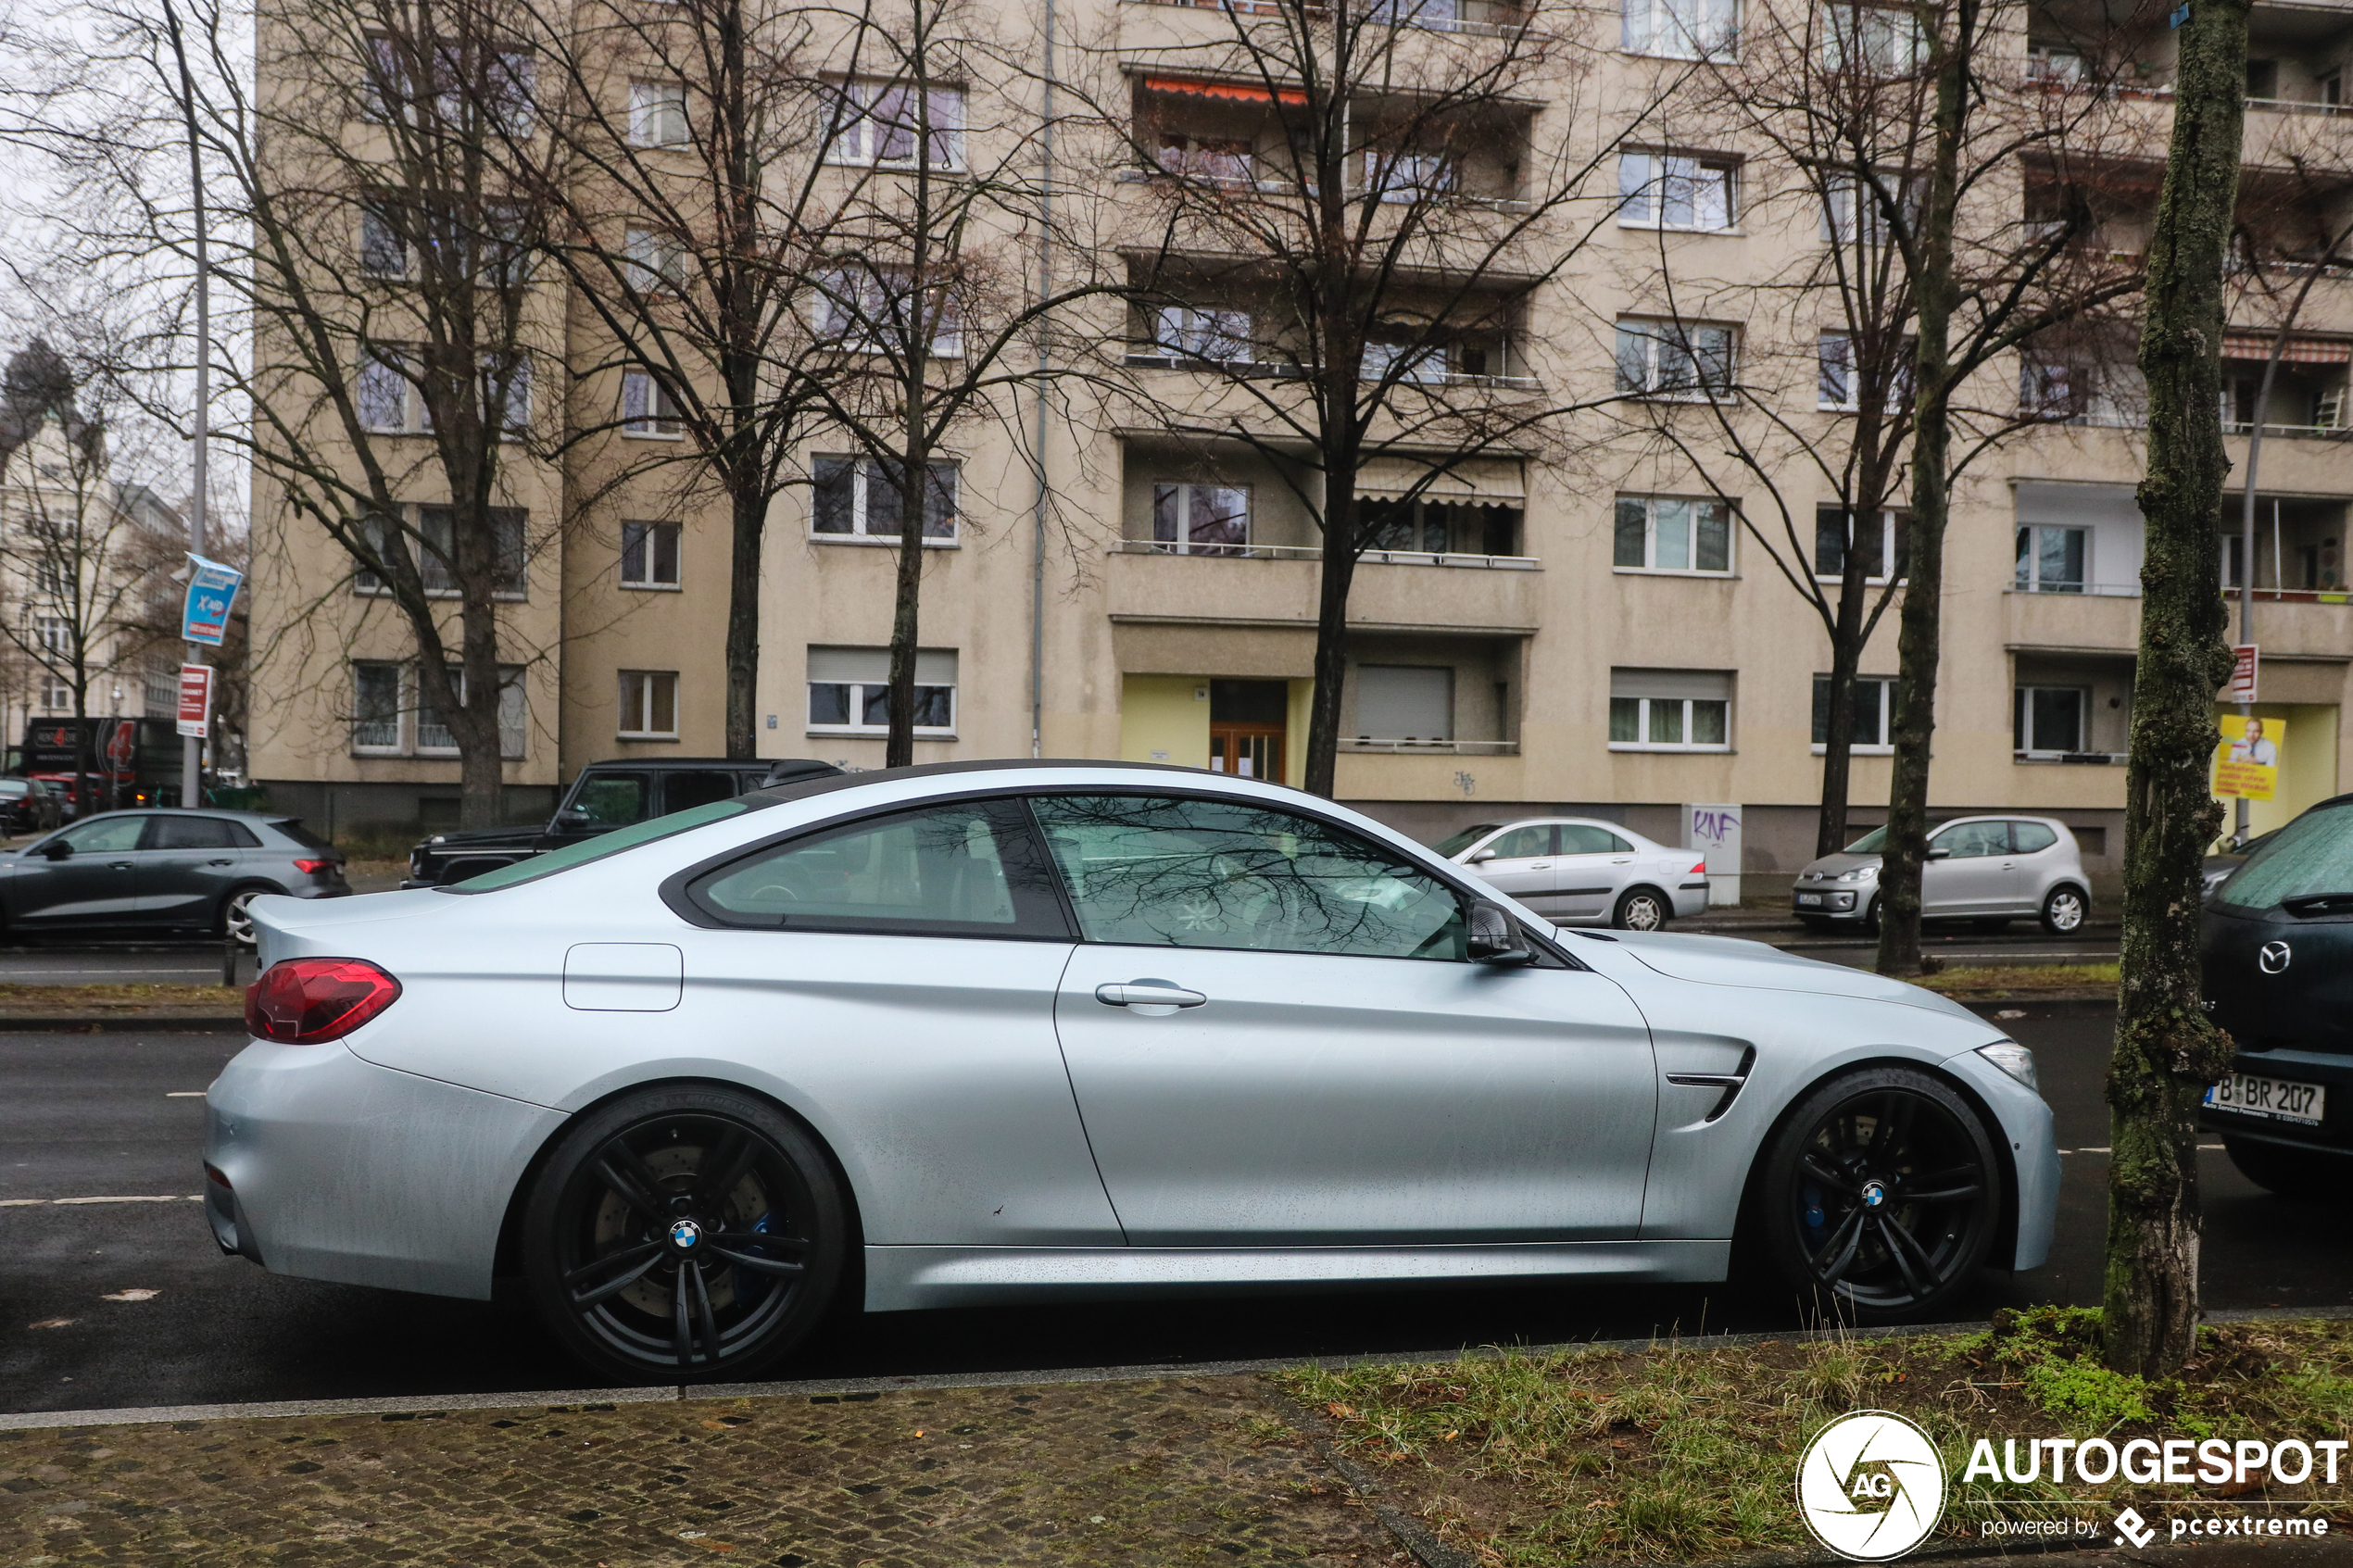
(1699, 870)
(312, 868)
(309, 1001)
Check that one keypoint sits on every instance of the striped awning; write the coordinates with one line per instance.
(1478, 482)
(2299, 351)
(1239, 92)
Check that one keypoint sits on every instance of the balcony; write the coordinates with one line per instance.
(1275, 586)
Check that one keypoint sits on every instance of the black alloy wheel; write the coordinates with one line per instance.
(1882, 1196)
(1642, 909)
(684, 1234)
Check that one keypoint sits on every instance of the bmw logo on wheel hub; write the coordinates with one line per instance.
(684, 1234)
(1874, 1193)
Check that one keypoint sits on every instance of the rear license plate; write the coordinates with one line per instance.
(1809, 897)
(2277, 1098)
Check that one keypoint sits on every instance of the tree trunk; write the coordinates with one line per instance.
(1920, 639)
(1337, 577)
(748, 515)
(2166, 1049)
(1846, 657)
(900, 751)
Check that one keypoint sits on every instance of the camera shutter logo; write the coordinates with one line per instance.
(1870, 1486)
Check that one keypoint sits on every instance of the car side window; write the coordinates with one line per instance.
(969, 869)
(1974, 840)
(682, 792)
(614, 800)
(1174, 871)
(1523, 844)
(2032, 838)
(1583, 838)
(190, 833)
(105, 835)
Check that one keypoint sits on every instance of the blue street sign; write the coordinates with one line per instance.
(2181, 14)
(212, 589)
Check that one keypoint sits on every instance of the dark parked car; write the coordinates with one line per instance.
(29, 805)
(189, 871)
(2278, 958)
(606, 796)
(2228, 857)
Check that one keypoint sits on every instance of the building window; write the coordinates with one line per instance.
(1186, 332)
(858, 498)
(2050, 720)
(375, 705)
(1882, 41)
(1394, 176)
(161, 693)
(1833, 534)
(1201, 520)
(1675, 191)
(1405, 702)
(56, 692)
(1670, 710)
(1422, 363)
(433, 729)
(1674, 359)
(875, 310)
(850, 692)
(1841, 200)
(384, 250)
(649, 705)
(1839, 379)
(893, 126)
(56, 635)
(650, 555)
(1874, 709)
(1683, 29)
(1211, 160)
(655, 263)
(2051, 561)
(657, 113)
(433, 545)
(1669, 534)
(383, 392)
(2054, 63)
(648, 410)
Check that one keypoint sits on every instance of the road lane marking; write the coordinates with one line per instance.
(41, 1202)
(183, 1094)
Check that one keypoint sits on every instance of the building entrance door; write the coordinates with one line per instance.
(1247, 724)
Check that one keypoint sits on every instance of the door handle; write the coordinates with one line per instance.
(120, 866)
(1541, 866)
(1148, 993)
(229, 861)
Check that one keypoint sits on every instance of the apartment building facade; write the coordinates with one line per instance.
(1585, 624)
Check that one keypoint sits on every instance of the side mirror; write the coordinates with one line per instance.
(1940, 854)
(1480, 858)
(573, 815)
(1492, 937)
(57, 850)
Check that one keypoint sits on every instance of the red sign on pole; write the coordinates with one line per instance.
(2242, 686)
(196, 700)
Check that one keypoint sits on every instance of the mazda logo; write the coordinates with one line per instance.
(2273, 958)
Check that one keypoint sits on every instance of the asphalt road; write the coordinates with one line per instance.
(99, 1115)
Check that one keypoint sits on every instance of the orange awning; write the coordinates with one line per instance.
(1240, 91)
(2300, 350)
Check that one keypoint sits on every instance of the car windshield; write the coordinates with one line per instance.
(1455, 843)
(1871, 843)
(2312, 854)
(597, 848)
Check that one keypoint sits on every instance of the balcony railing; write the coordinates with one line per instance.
(2102, 590)
(2293, 433)
(1432, 747)
(2295, 595)
(1316, 552)
(1264, 370)
(1477, 18)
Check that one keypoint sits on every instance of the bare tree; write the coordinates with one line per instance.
(1357, 207)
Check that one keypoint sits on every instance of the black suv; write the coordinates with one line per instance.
(606, 796)
(2277, 951)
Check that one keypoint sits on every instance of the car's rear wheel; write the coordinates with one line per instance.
(2307, 1176)
(684, 1234)
(236, 915)
(1881, 1196)
(2064, 912)
(1642, 908)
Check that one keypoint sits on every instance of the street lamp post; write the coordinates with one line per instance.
(192, 746)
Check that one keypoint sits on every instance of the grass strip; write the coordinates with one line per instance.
(1996, 982)
(1680, 1454)
(102, 998)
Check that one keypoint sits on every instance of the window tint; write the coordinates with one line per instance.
(1583, 838)
(1973, 840)
(614, 800)
(292, 827)
(1523, 844)
(965, 869)
(1162, 871)
(2030, 837)
(1455, 843)
(2312, 854)
(681, 791)
(1871, 843)
(191, 833)
(105, 835)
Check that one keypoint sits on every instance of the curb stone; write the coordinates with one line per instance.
(1411, 1533)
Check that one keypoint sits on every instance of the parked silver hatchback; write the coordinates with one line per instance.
(1987, 869)
(1575, 871)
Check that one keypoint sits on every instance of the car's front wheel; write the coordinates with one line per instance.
(236, 915)
(2291, 1172)
(1642, 908)
(2065, 910)
(1881, 1196)
(684, 1234)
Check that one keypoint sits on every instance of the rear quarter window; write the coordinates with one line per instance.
(2032, 837)
(292, 827)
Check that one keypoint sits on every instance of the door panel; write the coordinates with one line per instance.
(1593, 867)
(1522, 868)
(187, 867)
(1971, 880)
(97, 882)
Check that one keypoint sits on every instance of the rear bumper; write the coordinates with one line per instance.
(341, 1170)
(2331, 1071)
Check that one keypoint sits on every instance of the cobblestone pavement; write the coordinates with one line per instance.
(1175, 1472)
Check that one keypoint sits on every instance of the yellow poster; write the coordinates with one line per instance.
(2248, 763)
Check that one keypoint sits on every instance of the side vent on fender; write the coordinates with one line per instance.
(1729, 1082)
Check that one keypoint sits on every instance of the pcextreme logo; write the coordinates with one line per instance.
(1870, 1486)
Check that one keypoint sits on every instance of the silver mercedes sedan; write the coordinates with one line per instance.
(1576, 870)
(987, 1032)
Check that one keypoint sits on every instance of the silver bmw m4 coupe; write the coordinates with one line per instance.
(990, 1032)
